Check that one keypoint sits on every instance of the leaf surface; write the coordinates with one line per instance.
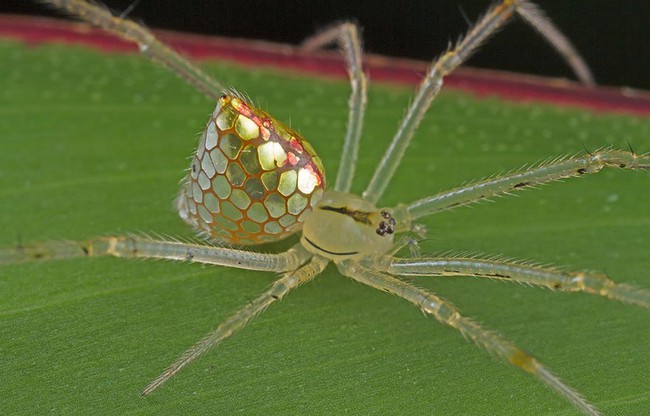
(95, 144)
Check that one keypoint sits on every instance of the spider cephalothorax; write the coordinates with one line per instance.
(344, 225)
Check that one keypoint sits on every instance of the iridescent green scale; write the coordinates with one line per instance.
(252, 179)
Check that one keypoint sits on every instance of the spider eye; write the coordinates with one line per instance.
(386, 226)
(252, 179)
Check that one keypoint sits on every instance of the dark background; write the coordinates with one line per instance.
(612, 36)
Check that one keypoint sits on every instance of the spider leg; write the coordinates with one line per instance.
(149, 45)
(234, 323)
(548, 172)
(593, 283)
(347, 35)
(143, 247)
(536, 18)
(447, 314)
(495, 18)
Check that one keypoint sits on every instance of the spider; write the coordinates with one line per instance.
(254, 180)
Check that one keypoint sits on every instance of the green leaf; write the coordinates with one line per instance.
(95, 144)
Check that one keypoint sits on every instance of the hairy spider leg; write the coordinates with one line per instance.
(447, 314)
(133, 246)
(536, 18)
(494, 19)
(239, 319)
(347, 36)
(147, 42)
(514, 271)
(557, 169)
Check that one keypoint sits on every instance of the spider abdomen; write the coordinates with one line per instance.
(252, 179)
